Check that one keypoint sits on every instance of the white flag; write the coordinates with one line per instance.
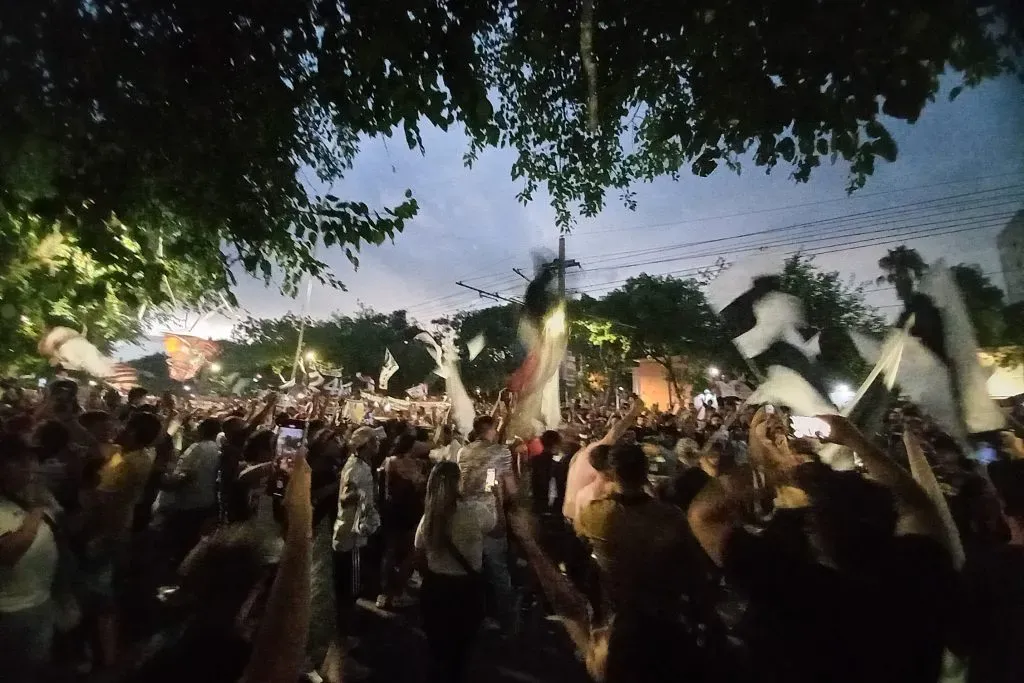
(475, 345)
(389, 369)
(418, 392)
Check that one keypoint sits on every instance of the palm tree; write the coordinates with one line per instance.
(902, 266)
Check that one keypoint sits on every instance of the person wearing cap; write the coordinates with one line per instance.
(358, 519)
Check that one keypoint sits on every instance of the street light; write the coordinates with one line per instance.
(713, 371)
(92, 383)
(187, 388)
(310, 355)
(215, 368)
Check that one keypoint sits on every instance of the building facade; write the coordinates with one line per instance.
(1010, 243)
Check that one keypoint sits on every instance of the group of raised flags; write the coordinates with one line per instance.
(929, 356)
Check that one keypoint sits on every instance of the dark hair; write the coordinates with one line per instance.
(92, 418)
(64, 384)
(208, 429)
(146, 427)
(550, 439)
(599, 457)
(235, 432)
(51, 437)
(258, 445)
(854, 516)
(403, 444)
(137, 393)
(629, 464)
(686, 486)
(482, 424)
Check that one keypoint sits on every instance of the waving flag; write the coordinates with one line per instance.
(389, 369)
(186, 355)
(770, 330)
(68, 349)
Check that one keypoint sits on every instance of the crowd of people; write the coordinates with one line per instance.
(708, 545)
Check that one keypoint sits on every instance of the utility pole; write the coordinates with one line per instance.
(562, 264)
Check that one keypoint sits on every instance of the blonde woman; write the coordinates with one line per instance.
(449, 541)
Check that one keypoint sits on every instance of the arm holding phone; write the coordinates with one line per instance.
(280, 643)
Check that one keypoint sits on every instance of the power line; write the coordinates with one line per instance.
(837, 221)
(798, 206)
(503, 282)
(1002, 216)
(830, 249)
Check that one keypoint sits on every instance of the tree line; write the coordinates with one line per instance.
(662, 318)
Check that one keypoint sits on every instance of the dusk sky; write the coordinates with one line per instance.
(960, 171)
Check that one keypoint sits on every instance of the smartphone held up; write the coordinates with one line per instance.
(291, 436)
(810, 427)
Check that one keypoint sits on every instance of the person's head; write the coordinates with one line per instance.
(235, 431)
(403, 444)
(364, 443)
(140, 431)
(51, 438)
(259, 447)
(628, 465)
(485, 429)
(111, 399)
(599, 458)
(99, 424)
(136, 395)
(64, 398)
(629, 438)
(208, 429)
(852, 518)
(686, 486)
(551, 441)
(442, 499)
(15, 464)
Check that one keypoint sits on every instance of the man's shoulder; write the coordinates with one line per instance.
(598, 509)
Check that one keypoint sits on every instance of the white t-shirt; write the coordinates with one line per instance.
(470, 523)
(199, 463)
(360, 520)
(27, 584)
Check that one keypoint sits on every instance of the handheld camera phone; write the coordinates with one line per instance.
(291, 436)
(813, 427)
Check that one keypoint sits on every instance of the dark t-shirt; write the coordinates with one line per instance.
(812, 623)
(993, 630)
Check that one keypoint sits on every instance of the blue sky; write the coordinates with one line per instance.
(471, 227)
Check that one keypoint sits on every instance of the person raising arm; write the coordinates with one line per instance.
(280, 644)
